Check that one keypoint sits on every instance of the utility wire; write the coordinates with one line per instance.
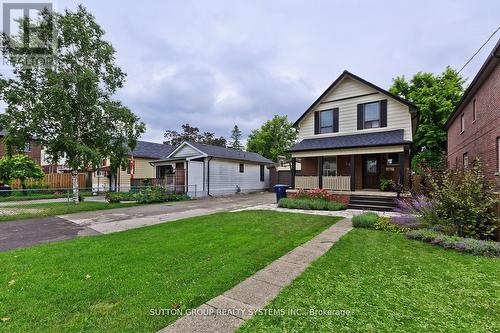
(493, 34)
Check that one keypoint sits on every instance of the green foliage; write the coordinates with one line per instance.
(69, 106)
(115, 197)
(192, 134)
(19, 167)
(310, 204)
(436, 96)
(176, 197)
(384, 184)
(236, 138)
(464, 202)
(469, 245)
(384, 224)
(365, 220)
(273, 139)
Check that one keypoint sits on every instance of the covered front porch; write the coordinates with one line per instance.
(362, 170)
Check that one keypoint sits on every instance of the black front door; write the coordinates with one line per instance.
(371, 171)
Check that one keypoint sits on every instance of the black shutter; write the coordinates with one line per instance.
(360, 116)
(316, 122)
(336, 119)
(383, 113)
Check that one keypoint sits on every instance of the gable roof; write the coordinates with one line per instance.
(490, 63)
(152, 150)
(345, 74)
(387, 138)
(221, 152)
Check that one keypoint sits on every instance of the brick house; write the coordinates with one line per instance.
(474, 127)
(31, 149)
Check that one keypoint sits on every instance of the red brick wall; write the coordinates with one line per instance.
(479, 138)
(36, 151)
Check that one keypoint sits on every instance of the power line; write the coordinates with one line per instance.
(493, 34)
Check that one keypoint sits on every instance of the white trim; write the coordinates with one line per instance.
(181, 145)
(350, 151)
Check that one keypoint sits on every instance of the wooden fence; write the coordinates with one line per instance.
(53, 180)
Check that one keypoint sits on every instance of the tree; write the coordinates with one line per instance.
(236, 138)
(68, 104)
(273, 139)
(192, 134)
(436, 96)
(19, 167)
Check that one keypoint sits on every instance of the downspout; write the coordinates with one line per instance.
(208, 176)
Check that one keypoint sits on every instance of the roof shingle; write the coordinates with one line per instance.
(386, 138)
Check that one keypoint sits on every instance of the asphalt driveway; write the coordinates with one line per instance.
(25, 233)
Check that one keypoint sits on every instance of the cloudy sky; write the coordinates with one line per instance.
(214, 64)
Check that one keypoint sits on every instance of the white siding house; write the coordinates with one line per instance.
(206, 170)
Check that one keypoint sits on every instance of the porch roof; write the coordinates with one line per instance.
(387, 138)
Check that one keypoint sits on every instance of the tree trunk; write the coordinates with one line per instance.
(74, 179)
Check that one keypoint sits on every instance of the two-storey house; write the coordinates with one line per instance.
(32, 148)
(352, 136)
(474, 126)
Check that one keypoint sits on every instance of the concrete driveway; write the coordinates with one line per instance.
(25, 233)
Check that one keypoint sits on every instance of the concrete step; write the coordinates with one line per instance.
(370, 207)
(372, 202)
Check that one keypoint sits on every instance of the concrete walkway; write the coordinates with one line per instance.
(227, 312)
(348, 213)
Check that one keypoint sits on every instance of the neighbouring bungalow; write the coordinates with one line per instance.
(205, 170)
(474, 126)
(352, 137)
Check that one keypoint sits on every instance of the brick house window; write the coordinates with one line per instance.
(462, 123)
(466, 161)
(474, 110)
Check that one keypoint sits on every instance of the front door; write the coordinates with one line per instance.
(371, 171)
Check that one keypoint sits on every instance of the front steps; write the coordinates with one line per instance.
(371, 202)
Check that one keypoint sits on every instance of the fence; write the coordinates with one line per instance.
(53, 181)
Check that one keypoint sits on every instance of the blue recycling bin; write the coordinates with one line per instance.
(280, 190)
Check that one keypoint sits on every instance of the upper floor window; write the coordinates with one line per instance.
(330, 166)
(326, 121)
(474, 110)
(371, 115)
(27, 147)
(466, 160)
(462, 123)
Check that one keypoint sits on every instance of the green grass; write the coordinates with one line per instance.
(30, 195)
(182, 263)
(59, 208)
(310, 204)
(390, 284)
(365, 220)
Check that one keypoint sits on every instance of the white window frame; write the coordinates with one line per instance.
(465, 160)
(100, 173)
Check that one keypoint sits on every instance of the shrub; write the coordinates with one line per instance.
(468, 245)
(418, 208)
(310, 204)
(115, 197)
(464, 201)
(151, 194)
(384, 224)
(365, 220)
(176, 197)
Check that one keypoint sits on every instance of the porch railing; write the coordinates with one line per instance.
(306, 182)
(340, 183)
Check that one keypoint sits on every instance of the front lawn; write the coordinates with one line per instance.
(110, 283)
(389, 284)
(18, 195)
(26, 211)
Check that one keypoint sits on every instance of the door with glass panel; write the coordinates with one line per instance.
(371, 171)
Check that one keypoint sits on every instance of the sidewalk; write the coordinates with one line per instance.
(227, 312)
(44, 201)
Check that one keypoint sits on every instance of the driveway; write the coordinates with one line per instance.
(25, 233)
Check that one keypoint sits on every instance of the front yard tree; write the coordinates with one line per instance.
(273, 139)
(69, 106)
(20, 167)
(436, 97)
(192, 134)
(236, 138)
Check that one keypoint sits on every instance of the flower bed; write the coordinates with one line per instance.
(373, 221)
(469, 245)
(310, 204)
(320, 194)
